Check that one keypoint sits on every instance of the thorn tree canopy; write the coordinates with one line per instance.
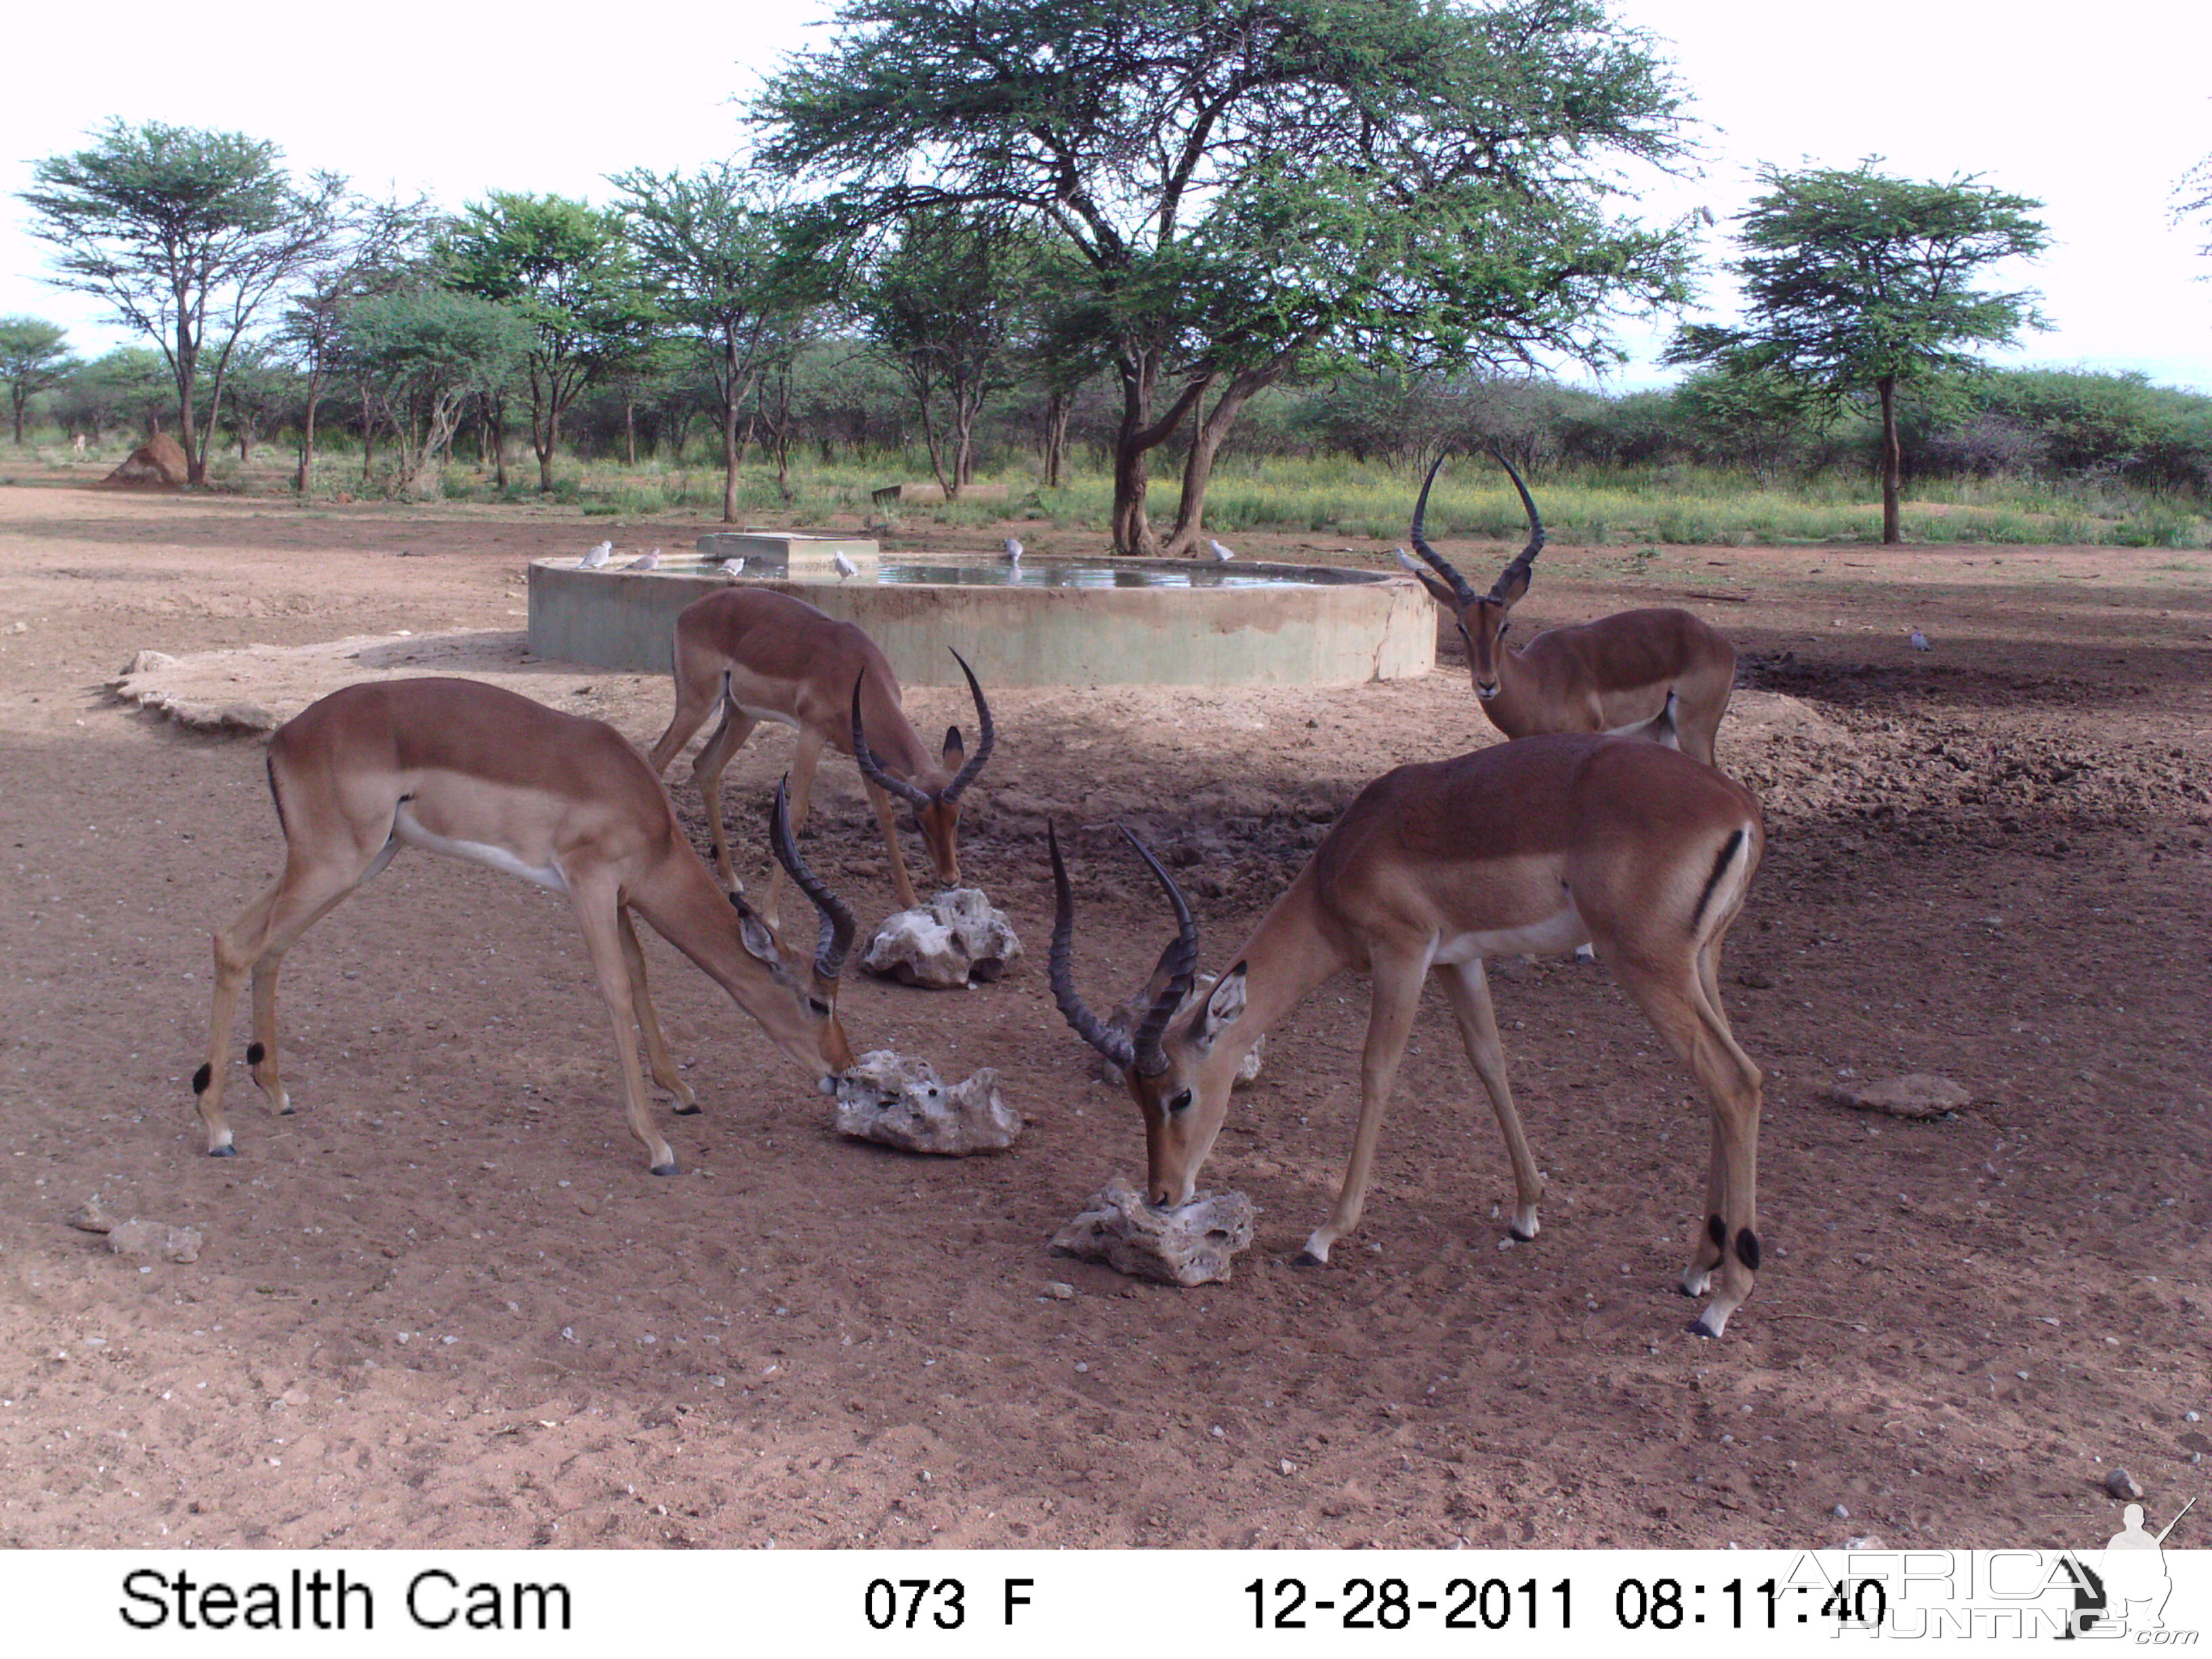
(566, 267)
(1857, 283)
(1251, 184)
(714, 254)
(185, 233)
(34, 354)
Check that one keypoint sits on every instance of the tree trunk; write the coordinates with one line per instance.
(17, 393)
(1892, 464)
(1134, 440)
(306, 473)
(630, 431)
(730, 457)
(1058, 406)
(1206, 443)
(495, 411)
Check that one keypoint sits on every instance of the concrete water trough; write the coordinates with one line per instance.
(1048, 622)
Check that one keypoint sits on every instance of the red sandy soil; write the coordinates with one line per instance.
(444, 1305)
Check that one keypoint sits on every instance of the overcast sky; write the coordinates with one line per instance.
(2096, 112)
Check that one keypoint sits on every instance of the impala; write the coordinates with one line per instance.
(763, 656)
(1528, 846)
(457, 766)
(1612, 675)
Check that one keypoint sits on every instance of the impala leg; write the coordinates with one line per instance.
(805, 757)
(1390, 1023)
(695, 701)
(1469, 988)
(707, 772)
(1678, 1004)
(887, 818)
(255, 944)
(597, 912)
(656, 1046)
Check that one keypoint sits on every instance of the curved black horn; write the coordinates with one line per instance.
(1181, 959)
(836, 939)
(1528, 555)
(987, 735)
(871, 769)
(1435, 560)
(1115, 1045)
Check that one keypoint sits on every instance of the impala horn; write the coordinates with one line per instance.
(1436, 561)
(1527, 557)
(987, 735)
(836, 939)
(1140, 1052)
(872, 768)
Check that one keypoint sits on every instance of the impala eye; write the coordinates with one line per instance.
(1180, 1102)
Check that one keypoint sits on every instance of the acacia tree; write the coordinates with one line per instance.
(34, 356)
(1856, 284)
(2192, 197)
(946, 306)
(186, 233)
(567, 269)
(425, 353)
(1249, 184)
(715, 253)
(374, 248)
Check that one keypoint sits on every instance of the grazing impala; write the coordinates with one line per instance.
(763, 656)
(1612, 675)
(466, 769)
(1534, 846)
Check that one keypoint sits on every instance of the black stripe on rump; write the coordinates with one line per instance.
(1720, 869)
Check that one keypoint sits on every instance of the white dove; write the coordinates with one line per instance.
(1013, 551)
(843, 565)
(645, 561)
(597, 556)
(1920, 642)
(1221, 555)
(1408, 561)
(733, 568)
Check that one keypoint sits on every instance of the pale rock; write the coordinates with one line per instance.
(902, 1102)
(149, 1238)
(91, 1217)
(1129, 1013)
(1920, 1094)
(955, 939)
(2120, 1485)
(1192, 1245)
(145, 662)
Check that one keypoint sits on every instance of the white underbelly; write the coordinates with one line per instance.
(774, 716)
(1555, 935)
(476, 852)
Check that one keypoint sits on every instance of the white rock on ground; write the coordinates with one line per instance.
(955, 939)
(1129, 1013)
(150, 1238)
(903, 1102)
(1192, 1245)
(1920, 1094)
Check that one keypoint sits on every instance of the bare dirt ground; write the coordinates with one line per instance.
(444, 1305)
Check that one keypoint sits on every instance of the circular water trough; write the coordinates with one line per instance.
(1051, 622)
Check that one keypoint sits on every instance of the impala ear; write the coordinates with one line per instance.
(955, 750)
(758, 941)
(1443, 595)
(1223, 1008)
(1513, 585)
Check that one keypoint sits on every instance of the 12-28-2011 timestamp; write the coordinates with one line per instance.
(1497, 1604)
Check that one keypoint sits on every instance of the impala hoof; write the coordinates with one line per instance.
(667, 1169)
(685, 1108)
(1308, 1258)
(1519, 1237)
(225, 1150)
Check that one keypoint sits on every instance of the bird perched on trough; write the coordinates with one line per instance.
(843, 565)
(597, 556)
(646, 561)
(1013, 550)
(1408, 560)
(1221, 555)
(733, 568)
(1920, 642)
